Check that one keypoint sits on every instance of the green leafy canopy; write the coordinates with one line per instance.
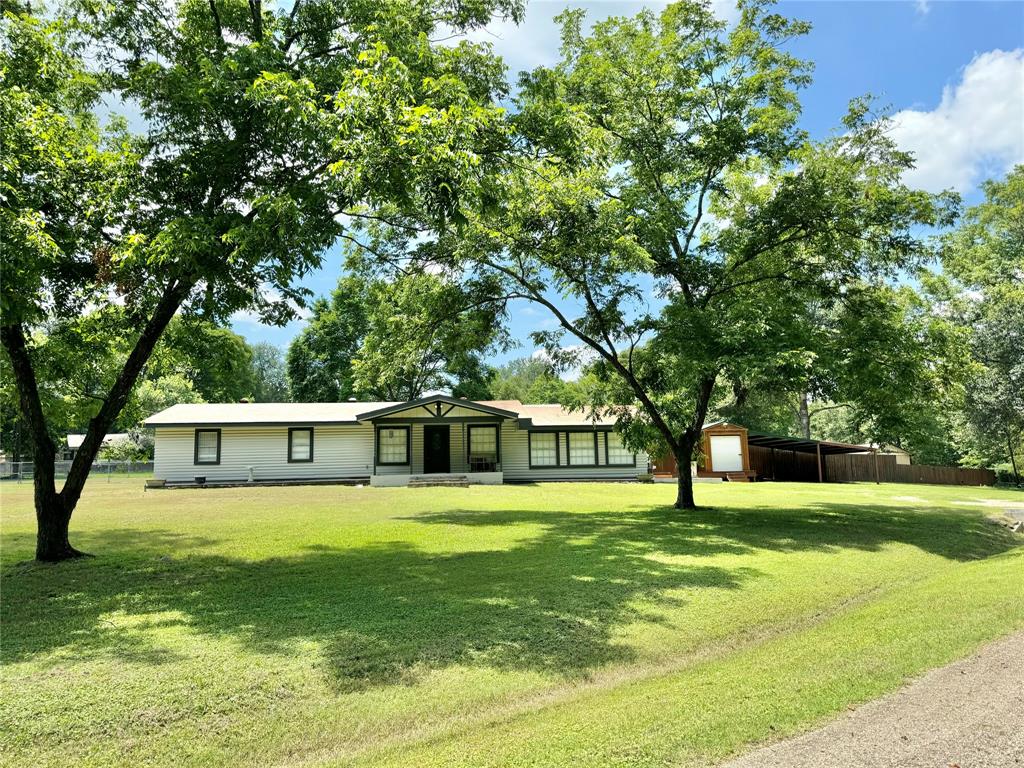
(662, 158)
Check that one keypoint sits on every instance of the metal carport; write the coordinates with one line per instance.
(795, 458)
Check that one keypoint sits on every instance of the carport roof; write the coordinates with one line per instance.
(803, 445)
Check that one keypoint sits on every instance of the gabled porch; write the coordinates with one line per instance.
(437, 440)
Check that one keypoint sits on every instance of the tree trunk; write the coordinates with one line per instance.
(805, 417)
(684, 487)
(119, 393)
(53, 510)
(52, 514)
(52, 519)
(683, 448)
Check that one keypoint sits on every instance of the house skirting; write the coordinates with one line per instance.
(473, 478)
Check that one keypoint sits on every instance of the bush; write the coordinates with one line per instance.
(138, 446)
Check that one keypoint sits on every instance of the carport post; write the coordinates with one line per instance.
(818, 449)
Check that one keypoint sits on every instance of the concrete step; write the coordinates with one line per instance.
(452, 481)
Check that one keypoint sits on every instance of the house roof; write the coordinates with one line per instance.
(239, 414)
(480, 406)
(883, 448)
(554, 415)
(722, 426)
(260, 414)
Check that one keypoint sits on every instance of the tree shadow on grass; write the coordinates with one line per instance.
(949, 533)
(385, 614)
(382, 614)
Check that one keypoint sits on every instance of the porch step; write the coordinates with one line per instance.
(449, 481)
(738, 477)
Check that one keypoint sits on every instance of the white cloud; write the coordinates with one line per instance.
(726, 10)
(569, 361)
(536, 41)
(251, 317)
(976, 131)
(923, 7)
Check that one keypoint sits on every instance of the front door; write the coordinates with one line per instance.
(436, 449)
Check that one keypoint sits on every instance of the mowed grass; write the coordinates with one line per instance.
(559, 624)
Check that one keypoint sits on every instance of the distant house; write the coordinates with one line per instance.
(74, 442)
(901, 456)
(387, 443)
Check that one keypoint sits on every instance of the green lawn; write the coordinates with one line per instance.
(556, 624)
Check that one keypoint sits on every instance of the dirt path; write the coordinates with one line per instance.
(969, 714)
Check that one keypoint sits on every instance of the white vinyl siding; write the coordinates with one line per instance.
(459, 436)
(341, 451)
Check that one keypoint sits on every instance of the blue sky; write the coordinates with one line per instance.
(953, 73)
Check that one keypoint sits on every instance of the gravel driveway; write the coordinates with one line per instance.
(969, 714)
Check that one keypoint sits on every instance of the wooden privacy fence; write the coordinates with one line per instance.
(856, 467)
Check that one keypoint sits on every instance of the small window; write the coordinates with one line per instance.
(582, 449)
(543, 449)
(616, 454)
(207, 446)
(393, 445)
(300, 444)
(483, 448)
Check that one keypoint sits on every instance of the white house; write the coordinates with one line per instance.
(383, 443)
(74, 442)
(902, 456)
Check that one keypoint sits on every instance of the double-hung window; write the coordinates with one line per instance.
(616, 454)
(300, 445)
(207, 446)
(582, 449)
(482, 450)
(543, 449)
(393, 445)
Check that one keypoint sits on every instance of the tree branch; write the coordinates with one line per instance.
(532, 294)
(256, 12)
(13, 338)
(216, 21)
(121, 389)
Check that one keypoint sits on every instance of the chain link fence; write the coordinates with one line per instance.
(18, 471)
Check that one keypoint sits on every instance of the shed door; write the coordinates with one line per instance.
(726, 453)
